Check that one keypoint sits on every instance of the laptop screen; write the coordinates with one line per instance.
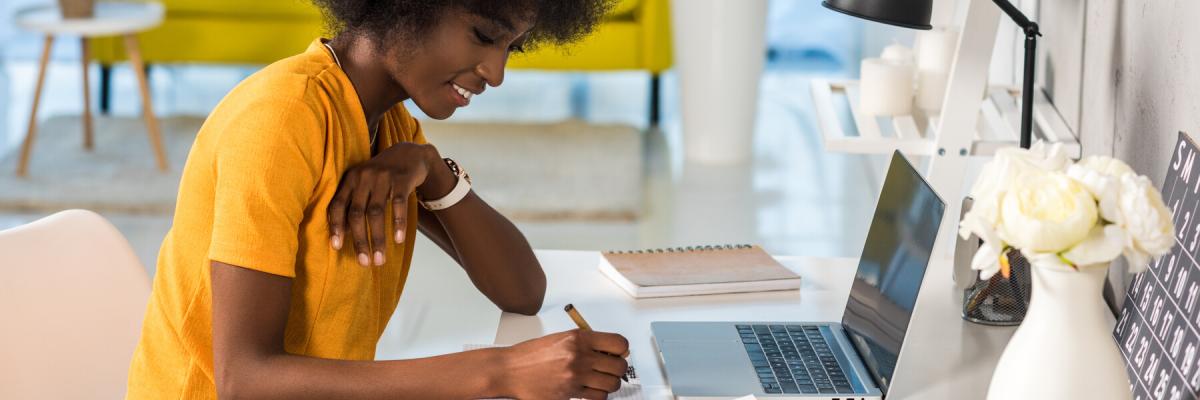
(891, 268)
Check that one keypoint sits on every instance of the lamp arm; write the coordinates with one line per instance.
(1030, 27)
(1031, 34)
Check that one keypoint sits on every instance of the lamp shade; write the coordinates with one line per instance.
(912, 14)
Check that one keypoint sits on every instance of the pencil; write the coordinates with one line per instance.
(583, 326)
(579, 321)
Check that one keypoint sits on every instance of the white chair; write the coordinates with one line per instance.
(72, 297)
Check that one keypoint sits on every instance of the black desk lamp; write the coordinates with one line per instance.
(915, 14)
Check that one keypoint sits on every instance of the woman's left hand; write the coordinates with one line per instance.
(365, 189)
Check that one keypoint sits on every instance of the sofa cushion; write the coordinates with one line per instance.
(255, 8)
(297, 8)
(624, 7)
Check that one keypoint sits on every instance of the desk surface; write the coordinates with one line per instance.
(944, 358)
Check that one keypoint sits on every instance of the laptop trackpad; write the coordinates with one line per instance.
(709, 368)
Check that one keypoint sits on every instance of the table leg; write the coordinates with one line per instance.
(88, 143)
(23, 163)
(135, 57)
(105, 87)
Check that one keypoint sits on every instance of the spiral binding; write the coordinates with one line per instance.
(687, 249)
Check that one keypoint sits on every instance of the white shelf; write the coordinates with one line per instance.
(998, 126)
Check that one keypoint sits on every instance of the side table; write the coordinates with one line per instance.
(113, 18)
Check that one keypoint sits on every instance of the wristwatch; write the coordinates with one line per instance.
(457, 194)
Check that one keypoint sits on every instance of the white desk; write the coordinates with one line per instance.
(945, 358)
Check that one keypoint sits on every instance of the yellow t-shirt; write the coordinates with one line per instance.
(254, 194)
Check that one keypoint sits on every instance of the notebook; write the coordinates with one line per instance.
(630, 390)
(686, 271)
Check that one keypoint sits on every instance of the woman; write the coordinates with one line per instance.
(294, 225)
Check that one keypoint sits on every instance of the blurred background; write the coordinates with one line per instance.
(637, 189)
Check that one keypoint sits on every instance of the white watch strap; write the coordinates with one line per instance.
(456, 195)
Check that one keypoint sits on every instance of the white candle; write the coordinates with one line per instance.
(886, 88)
(898, 54)
(931, 89)
(935, 53)
(935, 49)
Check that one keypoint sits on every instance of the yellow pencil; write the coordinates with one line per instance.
(579, 321)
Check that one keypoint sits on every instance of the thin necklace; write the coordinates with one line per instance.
(375, 132)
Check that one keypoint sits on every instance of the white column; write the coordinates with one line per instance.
(720, 47)
(6, 136)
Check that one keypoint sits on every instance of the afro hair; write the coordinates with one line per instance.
(557, 22)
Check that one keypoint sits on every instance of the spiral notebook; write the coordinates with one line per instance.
(696, 270)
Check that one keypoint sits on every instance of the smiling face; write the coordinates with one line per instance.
(455, 60)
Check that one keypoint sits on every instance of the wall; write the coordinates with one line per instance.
(1140, 76)
(1138, 81)
(1156, 79)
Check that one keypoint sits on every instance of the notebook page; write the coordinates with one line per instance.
(631, 390)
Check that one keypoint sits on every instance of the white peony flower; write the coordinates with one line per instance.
(1009, 166)
(1047, 213)
(1046, 157)
(1060, 214)
(1101, 175)
(1103, 187)
(1106, 165)
(1146, 221)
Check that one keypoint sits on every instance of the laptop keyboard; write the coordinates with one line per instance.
(793, 359)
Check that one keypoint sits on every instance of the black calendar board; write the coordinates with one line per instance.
(1159, 328)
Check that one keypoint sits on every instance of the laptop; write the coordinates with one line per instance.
(852, 359)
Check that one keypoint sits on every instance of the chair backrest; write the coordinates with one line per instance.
(72, 297)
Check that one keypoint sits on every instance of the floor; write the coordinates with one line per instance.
(794, 198)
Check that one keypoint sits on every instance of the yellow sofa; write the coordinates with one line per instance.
(634, 36)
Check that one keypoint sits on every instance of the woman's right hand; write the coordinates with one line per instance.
(367, 189)
(571, 364)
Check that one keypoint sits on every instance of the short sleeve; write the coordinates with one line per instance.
(267, 164)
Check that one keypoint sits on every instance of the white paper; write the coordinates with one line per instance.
(631, 390)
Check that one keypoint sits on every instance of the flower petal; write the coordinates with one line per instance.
(976, 223)
(986, 260)
(1138, 260)
(1103, 244)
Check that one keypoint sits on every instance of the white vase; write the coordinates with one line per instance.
(1064, 349)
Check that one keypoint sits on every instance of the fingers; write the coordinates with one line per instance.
(399, 217)
(610, 343)
(400, 192)
(602, 382)
(336, 212)
(591, 394)
(358, 223)
(609, 365)
(376, 218)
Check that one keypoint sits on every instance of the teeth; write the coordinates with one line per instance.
(464, 92)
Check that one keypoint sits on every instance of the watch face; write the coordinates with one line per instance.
(457, 170)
